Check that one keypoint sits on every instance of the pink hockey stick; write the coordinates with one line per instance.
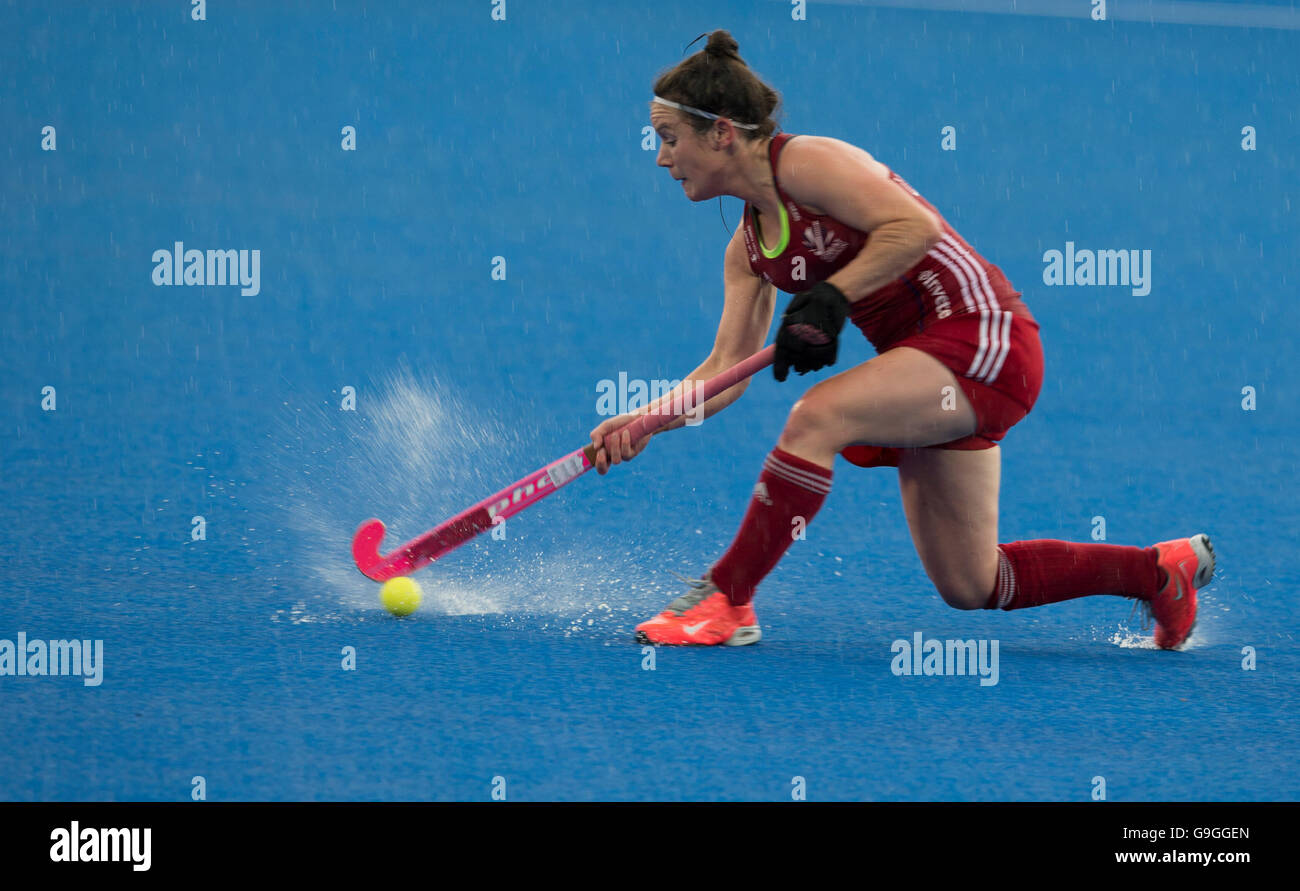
(420, 552)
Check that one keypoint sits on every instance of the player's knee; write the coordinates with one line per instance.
(812, 421)
(961, 594)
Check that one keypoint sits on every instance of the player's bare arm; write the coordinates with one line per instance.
(748, 306)
(845, 182)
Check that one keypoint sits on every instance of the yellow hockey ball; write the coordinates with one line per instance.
(400, 596)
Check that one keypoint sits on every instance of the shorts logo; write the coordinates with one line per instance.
(942, 305)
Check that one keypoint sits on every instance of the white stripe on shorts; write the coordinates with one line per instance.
(1006, 347)
(971, 276)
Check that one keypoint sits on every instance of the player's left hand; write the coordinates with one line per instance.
(810, 330)
(613, 444)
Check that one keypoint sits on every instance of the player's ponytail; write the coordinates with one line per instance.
(717, 80)
(722, 45)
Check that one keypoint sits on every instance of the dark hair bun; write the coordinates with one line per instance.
(721, 45)
(715, 79)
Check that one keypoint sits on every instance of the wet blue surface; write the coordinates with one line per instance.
(522, 139)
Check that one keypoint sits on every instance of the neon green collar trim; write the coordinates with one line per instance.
(785, 233)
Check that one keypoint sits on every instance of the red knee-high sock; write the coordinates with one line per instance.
(1034, 573)
(788, 487)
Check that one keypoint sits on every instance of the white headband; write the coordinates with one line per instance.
(704, 114)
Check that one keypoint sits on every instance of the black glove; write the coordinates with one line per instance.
(810, 330)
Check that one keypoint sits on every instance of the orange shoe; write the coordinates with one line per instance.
(1189, 565)
(702, 616)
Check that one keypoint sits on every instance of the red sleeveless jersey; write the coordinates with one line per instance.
(951, 280)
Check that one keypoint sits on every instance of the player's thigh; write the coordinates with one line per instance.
(903, 397)
(951, 500)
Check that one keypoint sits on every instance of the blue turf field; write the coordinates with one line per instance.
(522, 139)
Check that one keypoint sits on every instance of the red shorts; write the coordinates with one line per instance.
(1002, 386)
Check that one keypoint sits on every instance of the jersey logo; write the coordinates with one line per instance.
(826, 245)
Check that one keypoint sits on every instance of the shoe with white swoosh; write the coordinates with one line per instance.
(1189, 565)
(703, 616)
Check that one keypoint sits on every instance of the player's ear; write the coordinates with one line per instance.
(719, 135)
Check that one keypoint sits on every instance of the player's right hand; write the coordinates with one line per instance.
(810, 329)
(613, 447)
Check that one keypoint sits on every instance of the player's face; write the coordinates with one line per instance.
(687, 157)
